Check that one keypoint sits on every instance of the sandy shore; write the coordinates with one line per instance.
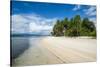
(56, 50)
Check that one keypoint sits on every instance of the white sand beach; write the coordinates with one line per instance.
(56, 50)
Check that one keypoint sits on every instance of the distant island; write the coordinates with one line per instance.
(26, 35)
(75, 26)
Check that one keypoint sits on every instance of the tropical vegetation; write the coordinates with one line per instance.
(75, 26)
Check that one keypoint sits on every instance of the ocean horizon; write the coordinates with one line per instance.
(27, 35)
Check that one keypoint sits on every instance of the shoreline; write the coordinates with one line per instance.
(58, 50)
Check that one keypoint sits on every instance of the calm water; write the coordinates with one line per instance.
(20, 44)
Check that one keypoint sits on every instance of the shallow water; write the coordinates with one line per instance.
(20, 44)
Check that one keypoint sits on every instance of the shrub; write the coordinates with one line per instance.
(93, 33)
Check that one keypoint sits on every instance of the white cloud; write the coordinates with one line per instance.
(90, 11)
(93, 19)
(40, 28)
(19, 24)
(31, 23)
(77, 7)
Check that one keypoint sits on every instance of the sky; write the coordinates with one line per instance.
(39, 17)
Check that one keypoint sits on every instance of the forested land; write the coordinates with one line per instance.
(75, 26)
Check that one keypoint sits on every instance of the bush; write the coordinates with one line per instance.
(84, 32)
(93, 33)
(72, 32)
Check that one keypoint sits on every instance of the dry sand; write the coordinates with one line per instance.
(56, 50)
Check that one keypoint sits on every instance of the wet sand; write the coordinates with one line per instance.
(57, 50)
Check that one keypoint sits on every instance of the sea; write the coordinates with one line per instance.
(20, 43)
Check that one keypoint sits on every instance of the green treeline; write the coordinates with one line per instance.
(74, 27)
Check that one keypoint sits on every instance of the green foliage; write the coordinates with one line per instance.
(58, 29)
(93, 33)
(88, 24)
(74, 27)
(71, 32)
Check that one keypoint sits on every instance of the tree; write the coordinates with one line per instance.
(87, 27)
(58, 28)
(74, 27)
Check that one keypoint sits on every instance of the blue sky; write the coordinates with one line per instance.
(47, 10)
(26, 16)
